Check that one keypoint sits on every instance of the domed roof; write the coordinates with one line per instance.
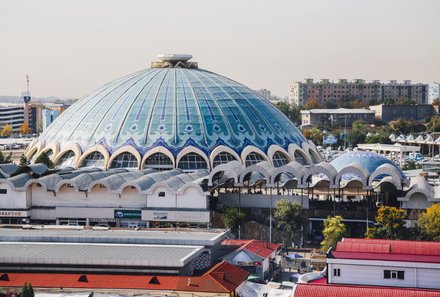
(174, 108)
(369, 160)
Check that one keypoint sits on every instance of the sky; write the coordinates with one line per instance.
(69, 48)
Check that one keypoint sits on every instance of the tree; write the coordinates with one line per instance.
(24, 128)
(429, 223)
(27, 290)
(390, 223)
(23, 161)
(358, 133)
(311, 104)
(292, 111)
(7, 130)
(433, 124)
(44, 159)
(405, 126)
(314, 134)
(232, 218)
(289, 216)
(334, 231)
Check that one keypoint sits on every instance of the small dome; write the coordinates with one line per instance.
(369, 160)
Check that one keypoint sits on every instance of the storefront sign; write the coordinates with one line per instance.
(13, 214)
(160, 216)
(102, 220)
(128, 214)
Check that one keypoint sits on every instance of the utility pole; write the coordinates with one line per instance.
(345, 131)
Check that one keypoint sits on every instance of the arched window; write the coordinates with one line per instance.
(279, 159)
(192, 161)
(253, 158)
(223, 158)
(95, 159)
(315, 158)
(66, 160)
(300, 158)
(159, 161)
(124, 160)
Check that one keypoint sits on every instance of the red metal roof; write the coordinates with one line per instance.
(260, 248)
(324, 290)
(236, 242)
(222, 278)
(388, 250)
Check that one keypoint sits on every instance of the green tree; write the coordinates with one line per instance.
(289, 216)
(405, 126)
(233, 218)
(358, 133)
(292, 111)
(433, 124)
(8, 158)
(27, 290)
(23, 160)
(429, 223)
(314, 134)
(390, 224)
(44, 159)
(334, 231)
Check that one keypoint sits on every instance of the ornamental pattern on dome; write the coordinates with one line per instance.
(173, 108)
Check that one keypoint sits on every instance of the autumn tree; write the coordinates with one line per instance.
(289, 216)
(390, 223)
(429, 223)
(7, 130)
(24, 128)
(311, 104)
(334, 231)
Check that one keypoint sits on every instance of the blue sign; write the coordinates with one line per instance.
(330, 139)
(343, 135)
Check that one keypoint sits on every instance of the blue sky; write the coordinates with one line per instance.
(70, 48)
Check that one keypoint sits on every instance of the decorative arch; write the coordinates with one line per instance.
(75, 148)
(323, 168)
(276, 148)
(35, 149)
(252, 149)
(163, 184)
(314, 156)
(186, 186)
(31, 154)
(387, 170)
(264, 168)
(54, 146)
(357, 170)
(96, 148)
(223, 149)
(124, 149)
(33, 181)
(192, 149)
(158, 149)
(295, 149)
(294, 168)
(231, 169)
(305, 149)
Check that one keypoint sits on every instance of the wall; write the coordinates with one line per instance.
(259, 200)
(12, 199)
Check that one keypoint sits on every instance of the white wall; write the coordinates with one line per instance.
(155, 201)
(12, 199)
(132, 198)
(417, 201)
(416, 275)
(192, 198)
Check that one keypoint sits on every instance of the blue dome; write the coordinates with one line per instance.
(173, 108)
(369, 160)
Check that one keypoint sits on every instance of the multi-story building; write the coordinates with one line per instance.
(50, 113)
(336, 117)
(417, 112)
(344, 90)
(434, 92)
(11, 114)
(265, 93)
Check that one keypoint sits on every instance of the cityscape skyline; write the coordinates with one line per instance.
(69, 48)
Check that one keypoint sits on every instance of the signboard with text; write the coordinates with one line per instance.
(128, 214)
(13, 214)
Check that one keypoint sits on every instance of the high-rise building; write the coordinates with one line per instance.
(49, 115)
(434, 92)
(265, 93)
(11, 114)
(344, 90)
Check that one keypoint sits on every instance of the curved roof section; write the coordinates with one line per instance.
(368, 160)
(173, 108)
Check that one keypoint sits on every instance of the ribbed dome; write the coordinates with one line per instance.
(173, 108)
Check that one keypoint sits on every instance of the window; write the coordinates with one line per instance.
(394, 274)
(300, 158)
(3, 191)
(223, 158)
(159, 161)
(66, 160)
(192, 161)
(279, 159)
(124, 160)
(95, 159)
(253, 158)
(337, 272)
(161, 194)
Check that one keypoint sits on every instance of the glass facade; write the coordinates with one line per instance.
(159, 161)
(125, 160)
(95, 159)
(66, 160)
(192, 162)
(253, 158)
(300, 158)
(223, 158)
(279, 159)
